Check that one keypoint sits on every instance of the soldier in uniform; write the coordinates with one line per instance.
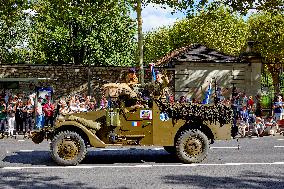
(161, 84)
(131, 78)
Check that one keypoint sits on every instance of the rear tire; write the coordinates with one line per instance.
(192, 146)
(68, 148)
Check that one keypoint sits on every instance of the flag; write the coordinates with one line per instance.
(208, 93)
(135, 124)
(153, 71)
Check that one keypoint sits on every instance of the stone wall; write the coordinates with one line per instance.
(190, 79)
(65, 79)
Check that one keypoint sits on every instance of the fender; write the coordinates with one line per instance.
(220, 132)
(94, 140)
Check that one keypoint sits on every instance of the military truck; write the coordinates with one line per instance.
(184, 130)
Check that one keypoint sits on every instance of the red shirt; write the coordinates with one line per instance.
(48, 109)
(250, 102)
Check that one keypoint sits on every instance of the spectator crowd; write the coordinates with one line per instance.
(21, 115)
(248, 116)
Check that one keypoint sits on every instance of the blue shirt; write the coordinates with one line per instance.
(278, 109)
(244, 115)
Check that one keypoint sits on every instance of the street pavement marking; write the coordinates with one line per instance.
(107, 149)
(280, 139)
(21, 140)
(143, 166)
(157, 149)
(119, 149)
(278, 146)
(26, 150)
(138, 166)
(224, 147)
(233, 163)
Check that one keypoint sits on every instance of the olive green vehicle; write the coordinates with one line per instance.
(189, 140)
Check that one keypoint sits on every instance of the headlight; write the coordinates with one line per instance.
(60, 118)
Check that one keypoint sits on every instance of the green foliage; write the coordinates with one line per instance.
(177, 4)
(102, 33)
(72, 31)
(11, 10)
(13, 30)
(264, 5)
(241, 6)
(218, 29)
(267, 30)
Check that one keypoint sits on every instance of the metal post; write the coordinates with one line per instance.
(271, 102)
(140, 39)
(89, 80)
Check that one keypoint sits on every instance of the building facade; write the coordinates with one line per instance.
(196, 66)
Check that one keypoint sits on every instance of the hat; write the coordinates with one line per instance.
(258, 118)
(132, 70)
(250, 97)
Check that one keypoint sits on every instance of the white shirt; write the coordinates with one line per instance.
(39, 108)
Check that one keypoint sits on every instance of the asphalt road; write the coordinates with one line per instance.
(247, 163)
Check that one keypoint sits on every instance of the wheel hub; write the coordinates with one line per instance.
(68, 149)
(193, 146)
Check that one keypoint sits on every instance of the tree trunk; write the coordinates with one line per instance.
(140, 39)
(274, 69)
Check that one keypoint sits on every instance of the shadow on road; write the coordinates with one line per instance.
(13, 179)
(130, 156)
(30, 158)
(96, 157)
(247, 180)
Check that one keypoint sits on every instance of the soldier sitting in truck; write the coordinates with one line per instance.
(131, 78)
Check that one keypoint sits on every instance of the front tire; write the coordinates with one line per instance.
(68, 148)
(192, 146)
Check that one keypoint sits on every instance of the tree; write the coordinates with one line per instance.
(218, 29)
(267, 31)
(137, 4)
(241, 6)
(83, 32)
(13, 30)
(244, 6)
